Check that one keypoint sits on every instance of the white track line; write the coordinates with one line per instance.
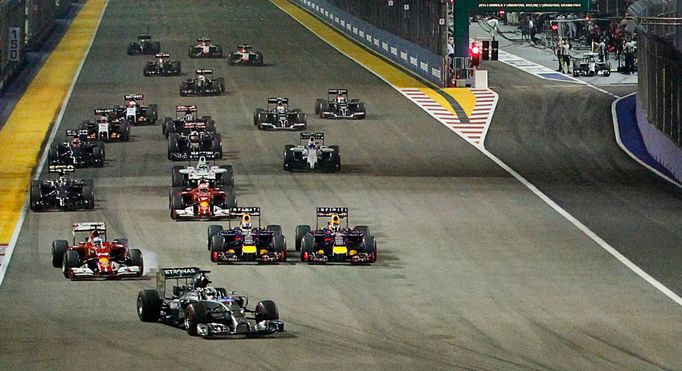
(43, 158)
(589, 233)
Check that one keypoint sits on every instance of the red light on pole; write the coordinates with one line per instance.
(475, 54)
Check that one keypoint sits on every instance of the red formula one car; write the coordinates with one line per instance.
(202, 202)
(92, 256)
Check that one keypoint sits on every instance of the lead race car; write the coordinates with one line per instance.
(312, 154)
(144, 46)
(78, 151)
(246, 242)
(203, 310)
(135, 112)
(61, 193)
(91, 256)
(245, 56)
(204, 48)
(190, 176)
(106, 127)
(278, 116)
(162, 66)
(201, 203)
(333, 243)
(339, 106)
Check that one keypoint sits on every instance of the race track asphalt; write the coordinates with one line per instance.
(474, 271)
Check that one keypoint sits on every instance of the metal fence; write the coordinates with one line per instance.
(413, 20)
(660, 64)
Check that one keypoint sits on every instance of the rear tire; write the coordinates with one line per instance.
(301, 231)
(276, 228)
(213, 230)
(227, 178)
(362, 228)
(178, 178)
(318, 106)
(308, 245)
(288, 157)
(148, 305)
(58, 249)
(279, 245)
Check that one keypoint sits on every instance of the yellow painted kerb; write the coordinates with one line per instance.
(32, 118)
(394, 75)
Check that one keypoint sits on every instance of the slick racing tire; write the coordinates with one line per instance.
(195, 313)
(178, 178)
(301, 231)
(98, 155)
(176, 68)
(257, 114)
(227, 178)
(371, 247)
(217, 243)
(71, 260)
(288, 157)
(275, 228)
(152, 114)
(362, 228)
(257, 59)
(307, 246)
(362, 108)
(148, 305)
(176, 203)
(318, 106)
(172, 145)
(212, 231)
(279, 245)
(58, 249)
(266, 310)
(136, 260)
(36, 195)
(125, 131)
(335, 159)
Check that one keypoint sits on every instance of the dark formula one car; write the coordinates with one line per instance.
(204, 310)
(77, 151)
(144, 45)
(194, 145)
(278, 116)
(92, 256)
(334, 243)
(106, 127)
(205, 49)
(62, 193)
(247, 242)
(339, 106)
(312, 154)
(190, 176)
(135, 112)
(162, 66)
(187, 114)
(202, 202)
(590, 65)
(202, 84)
(245, 56)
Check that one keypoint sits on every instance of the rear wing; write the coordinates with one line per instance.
(128, 97)
(176, 274)
(307, 135)
(76, 132)
(204, 71)
(244, 46)
(182, 108)
(239, 211)
(204, 39)
(162, 55)
(278, 100)
(342, 212)
(338, 91)
(144, 37)
(61, 169)
(194, 125)
(89, 227)
(103, 111)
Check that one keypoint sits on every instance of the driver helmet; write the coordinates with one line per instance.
(200, 281)
(189, 116)
(201, 77)
(334, 222)
(194, 136)
(75, 142)
(61, 179)
(246, 221)
(209, 293)
(280, 108)
(132, 103)
(311, 143)
(103, 119)
(203, 186)
(97, 242)
(341, 98)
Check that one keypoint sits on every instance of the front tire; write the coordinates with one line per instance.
(195, 313)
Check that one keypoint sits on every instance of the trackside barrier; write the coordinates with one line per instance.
(41, 17)
(12, 35)
(421, 61)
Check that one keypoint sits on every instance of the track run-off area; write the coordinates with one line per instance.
(475, 271)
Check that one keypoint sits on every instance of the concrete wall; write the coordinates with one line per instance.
(660, 146)
(421, 61)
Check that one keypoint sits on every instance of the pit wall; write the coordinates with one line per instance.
(412, 57)
(659, 146)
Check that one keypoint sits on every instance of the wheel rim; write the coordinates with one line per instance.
(139, 307)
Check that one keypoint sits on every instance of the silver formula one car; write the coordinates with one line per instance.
(311, 154)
